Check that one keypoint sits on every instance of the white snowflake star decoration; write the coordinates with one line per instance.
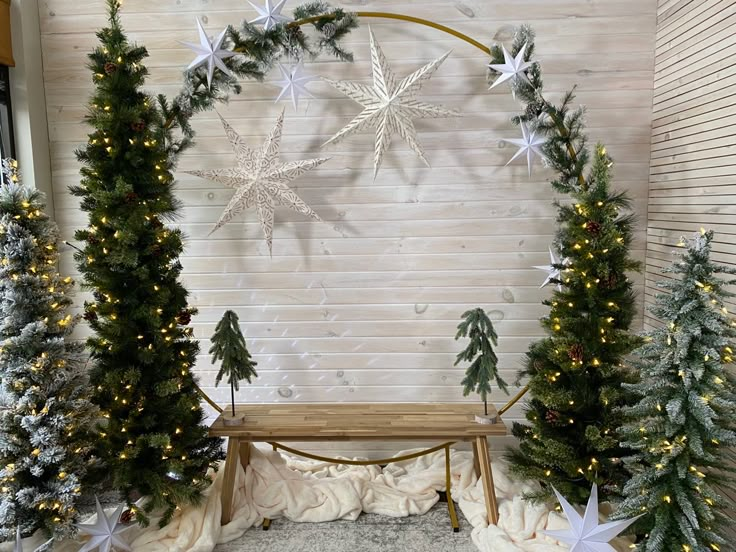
(104, 532)
(512, 68)
(293, 83)
(260, 179)
(530, 143)
(552, 272)
(270, 14)
(585, 534)
(389, 107)
(209, 52)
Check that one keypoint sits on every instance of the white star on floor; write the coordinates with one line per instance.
(552, 272)
(585, 534)
(512, 68)
(259, 179)
(530, 143)
(209, 52)
(270, 15)
(104, 532)
(293, 83)
(389, 107)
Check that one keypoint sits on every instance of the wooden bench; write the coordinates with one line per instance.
(276, 423)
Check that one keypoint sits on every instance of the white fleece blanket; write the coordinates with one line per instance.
(305, 491)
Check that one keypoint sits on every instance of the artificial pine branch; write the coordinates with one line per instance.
(683, 424)
(575, 375)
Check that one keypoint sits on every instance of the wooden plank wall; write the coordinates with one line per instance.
(693, 174)
(363, 307)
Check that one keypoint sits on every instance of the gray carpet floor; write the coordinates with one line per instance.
(370, 533)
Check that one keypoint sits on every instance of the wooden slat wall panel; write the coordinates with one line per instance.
(364, 306)
(693, 167)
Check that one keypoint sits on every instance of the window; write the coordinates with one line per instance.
(7, 140)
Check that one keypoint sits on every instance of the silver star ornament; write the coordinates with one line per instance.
(293, 83)
(553, 273)
(209, 53)
(530, 144)
(270, 14)
(513, 67)
(104, 532)
(260, 179)
(585, 533)
(389, 106)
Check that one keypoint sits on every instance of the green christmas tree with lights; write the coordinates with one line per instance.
(683, 427)
(575, 375)
(153, 441)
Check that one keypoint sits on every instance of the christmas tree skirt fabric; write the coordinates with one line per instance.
(305, 491)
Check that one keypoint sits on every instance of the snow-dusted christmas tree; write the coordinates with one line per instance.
(685, 420)
(45, 414)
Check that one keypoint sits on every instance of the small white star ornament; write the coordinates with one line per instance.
(552, 272)
(18, 545)
(260, 179)
(530, 144)
(293, 83)
(513, 68)
(209, 53)
(388, 106)
(585, 534)
(270, 14)
(104, 532)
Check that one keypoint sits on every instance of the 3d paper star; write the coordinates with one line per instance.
(585, 535)
(512, 68)
(390, 107)
(209, 52)
(552, 272)
(530, 143)
(269, 15)
(18, 545)
(260, 179)
(293, 83)
(104, 533)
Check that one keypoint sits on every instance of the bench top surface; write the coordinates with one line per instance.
(359, 421)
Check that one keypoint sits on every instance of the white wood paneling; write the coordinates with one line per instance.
(693, 171)
(364, 306)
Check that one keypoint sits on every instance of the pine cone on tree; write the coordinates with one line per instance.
(90, 316)
(610, 281)
(576, 352)
(593, 227)
(552, 416)
(128, 516)
(138, 126)
(110, 68)
(131, 197)
(184, 318)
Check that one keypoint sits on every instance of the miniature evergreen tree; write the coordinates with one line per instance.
(480, 353)
(685, 418)
(228, 345)
(46, 417)
(575, 374)
(154, 442)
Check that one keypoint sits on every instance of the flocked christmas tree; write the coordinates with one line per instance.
(479, 352)
(575, 374)
(153, 441)
(685, 419)
(228, 345)
(46, 418)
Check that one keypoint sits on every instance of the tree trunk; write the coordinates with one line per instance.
(232, 397)
(485, 405)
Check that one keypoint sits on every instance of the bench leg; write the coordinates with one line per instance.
(476, 461)
(448, 493)
(486, 473)
(228, 482)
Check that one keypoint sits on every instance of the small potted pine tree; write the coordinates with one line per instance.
(228, 345)
(483, 360)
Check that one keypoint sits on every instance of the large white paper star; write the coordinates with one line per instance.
(530, 143)
(293, 83)
(552, 272)
(390, 107)
(270, 14)
(209, 52)
(260, 179)
(512, 68)
(104, 533)
(585, 534)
